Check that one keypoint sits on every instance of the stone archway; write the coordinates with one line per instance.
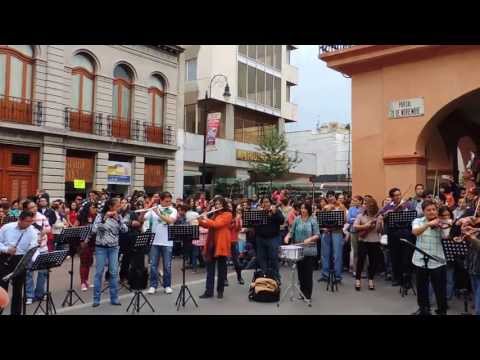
(448, 138)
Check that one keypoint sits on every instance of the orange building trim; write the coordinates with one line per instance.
(404, 159)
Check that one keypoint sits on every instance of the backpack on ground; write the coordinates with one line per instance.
(264, 288)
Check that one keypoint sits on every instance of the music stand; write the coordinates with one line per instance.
(20, 270)
(184, 234)
(454, 250)
(72, 237)
(143, 243)
(252, 218)
(331, 220)
(47, 261)
(402, 220)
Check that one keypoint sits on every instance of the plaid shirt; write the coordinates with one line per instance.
(430, 242)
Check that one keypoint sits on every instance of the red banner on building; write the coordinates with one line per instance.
(213, 124)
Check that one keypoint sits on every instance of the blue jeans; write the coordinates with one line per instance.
(332, 242)
(476, 292)
(102, 255)
(36, 292)
(166, 253)
(267, 255)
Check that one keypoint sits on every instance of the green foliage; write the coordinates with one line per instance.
(274, 160)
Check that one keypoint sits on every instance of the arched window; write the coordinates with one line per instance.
(16, 69)
(83, 77)
(155, 100)
(154, 126)
(122, 101)
(82, 83)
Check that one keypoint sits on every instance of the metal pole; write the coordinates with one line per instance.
(204, 144)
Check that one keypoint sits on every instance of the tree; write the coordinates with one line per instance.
(274, 161)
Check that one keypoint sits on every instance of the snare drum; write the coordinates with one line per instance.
(291, 252)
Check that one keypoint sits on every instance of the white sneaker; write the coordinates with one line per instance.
(151, 291)
(29, 301)
(84, 287)
(168, 290)
(91, 286)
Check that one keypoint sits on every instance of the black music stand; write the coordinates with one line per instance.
(331, 220)
(184, 234)
(401, 219)
(252, 218)
(397, 220)
(454, 250)
(21, 270)
(142, 245)
(72, 237)
(47, 261)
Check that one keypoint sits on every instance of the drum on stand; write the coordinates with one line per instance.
(291, 252)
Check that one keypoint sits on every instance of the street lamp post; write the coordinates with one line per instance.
(208, 94)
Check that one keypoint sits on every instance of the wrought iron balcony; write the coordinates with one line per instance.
(118, 127)
(20, 110)
(323, 49)
(83, 121)
(158, 134)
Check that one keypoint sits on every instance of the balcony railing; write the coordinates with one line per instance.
(83, 121)
(159, 135)
(19, 110)
(331, 48)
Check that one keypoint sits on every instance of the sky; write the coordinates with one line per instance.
(322, 94)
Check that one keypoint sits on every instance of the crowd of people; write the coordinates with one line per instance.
(357, 247)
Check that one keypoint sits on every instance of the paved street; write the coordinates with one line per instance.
(386, 300)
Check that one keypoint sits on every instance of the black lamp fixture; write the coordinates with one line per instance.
(226, 92)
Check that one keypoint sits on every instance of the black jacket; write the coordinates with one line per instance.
(50, 215)
(271, 229)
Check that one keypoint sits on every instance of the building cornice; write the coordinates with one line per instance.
(404, 159)
(362, 58)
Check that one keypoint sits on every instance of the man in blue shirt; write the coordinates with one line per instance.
(16, 239)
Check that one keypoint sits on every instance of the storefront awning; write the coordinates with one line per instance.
(188, 173)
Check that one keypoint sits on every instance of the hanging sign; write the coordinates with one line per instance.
(119, 173)
(213, 124)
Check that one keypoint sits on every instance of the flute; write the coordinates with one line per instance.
(148, 209)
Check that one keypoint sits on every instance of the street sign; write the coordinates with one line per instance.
(406, 108)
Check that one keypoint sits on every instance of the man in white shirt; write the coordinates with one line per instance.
(158, 219)
(15, 240)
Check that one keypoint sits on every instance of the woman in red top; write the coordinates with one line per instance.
(235, 229)
(86, 217)
(72, 214)
(218, 246)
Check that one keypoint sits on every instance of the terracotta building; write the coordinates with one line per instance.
(415, 111)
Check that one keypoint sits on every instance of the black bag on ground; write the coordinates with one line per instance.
(264, 288)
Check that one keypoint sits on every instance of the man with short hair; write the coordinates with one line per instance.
(158, 219)
(419, 198)
(16, 239)
(399, 253)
